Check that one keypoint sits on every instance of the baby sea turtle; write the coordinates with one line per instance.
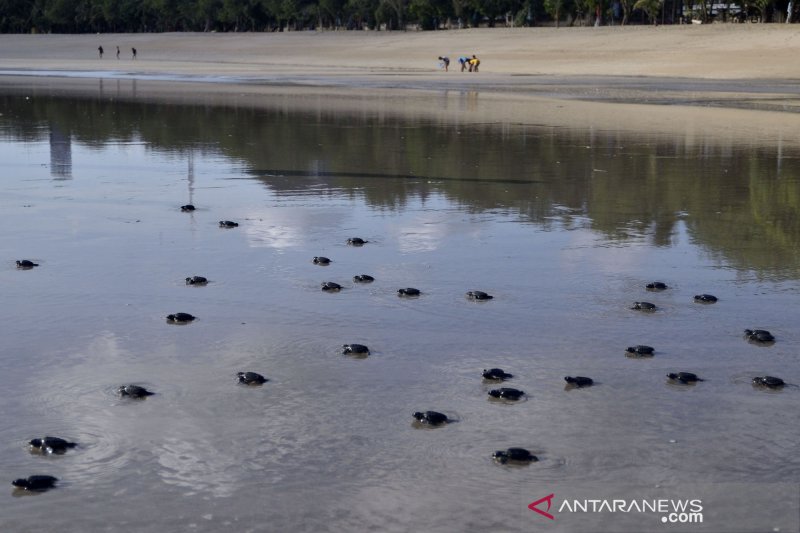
(25, 264)
(643, 306)
(514, 455)
(354, 349)
(579, 381)
(656, 286)
(321, 260)
(432, 418)
(639, 349)
(196, 280)
(363, 278)
(54, 445)
(684, 377)
(770, 382)
(251, 378)
(35, 483)
(705, 298)
(187, 208)
(479, 295)
(507, 394)
(356, 241)
(408, 291)
(496, 374)
(228, 224)
(331, 286)
(180, 318)
(759, 335)
(133, 391)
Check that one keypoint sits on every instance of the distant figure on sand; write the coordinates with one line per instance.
(464, 62)
(445, 62)
(117, 52)
(474, 63)
(133, 51)
(100, 50)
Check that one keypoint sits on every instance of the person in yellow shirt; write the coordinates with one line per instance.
(474, 63)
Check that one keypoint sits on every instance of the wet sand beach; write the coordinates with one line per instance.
(578, 166)
(716, 78)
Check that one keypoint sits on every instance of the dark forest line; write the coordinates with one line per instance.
(138, 16)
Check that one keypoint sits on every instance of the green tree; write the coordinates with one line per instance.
(393, 12)
(627, 8)
(201, 15)
(492, 9)
(459, 9)
(59, 15)
(234, 14)
(331, 13)
(361, 13)
(428, 12)
(556, 8)
(15, 16)
(651, 7)
(122, 15)
(762, 6)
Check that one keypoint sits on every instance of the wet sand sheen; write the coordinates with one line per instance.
(329, 440)
(742, 86)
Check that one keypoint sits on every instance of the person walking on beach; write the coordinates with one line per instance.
(445, 62)
(474, 63)
(133, 51)
(100, 51)
(117, 52)
(464, 62)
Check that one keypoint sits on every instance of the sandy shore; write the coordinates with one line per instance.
(738, 80)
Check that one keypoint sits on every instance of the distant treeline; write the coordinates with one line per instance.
(134, 16)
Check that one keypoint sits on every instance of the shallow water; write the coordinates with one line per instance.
(563, 227)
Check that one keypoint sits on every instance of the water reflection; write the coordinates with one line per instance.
(423, 233)
(60, 154)
(562, 227)
(736, 201)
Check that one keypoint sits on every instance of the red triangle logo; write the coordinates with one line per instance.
(547, 499)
